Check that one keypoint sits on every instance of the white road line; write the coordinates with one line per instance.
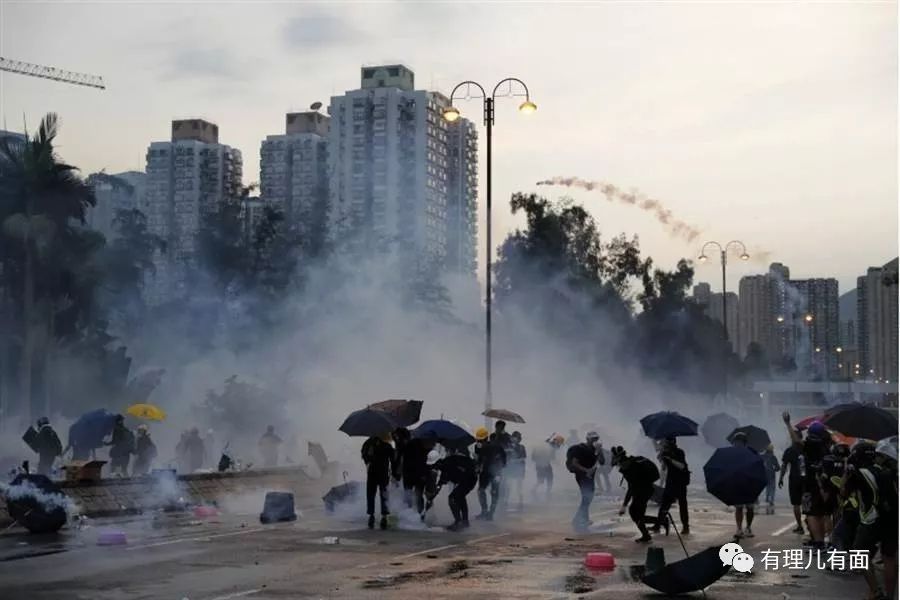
(787, 527)
(437, 549)
(429, 551)
(237, 594)
(202, 538)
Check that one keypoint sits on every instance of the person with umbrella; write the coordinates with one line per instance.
(739, 440)
(378, 456)
(814, 449)
(581, 460)
(678, 477)
(459, 469)
(639, 473)
(491, 460)
(792, 460)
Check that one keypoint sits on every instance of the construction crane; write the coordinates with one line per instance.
(24, 68)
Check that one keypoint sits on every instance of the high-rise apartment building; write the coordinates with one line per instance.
(877, 323)
(115, 192)
(816, 319)
(188, 178)
(730, 319)
(401, 177)
(294, 173)
(702, 294)
(755, 313)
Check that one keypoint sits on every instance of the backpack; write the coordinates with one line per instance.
(646, 469)
(570, 454)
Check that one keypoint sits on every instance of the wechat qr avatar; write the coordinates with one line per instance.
(742, 562)
(728, 552)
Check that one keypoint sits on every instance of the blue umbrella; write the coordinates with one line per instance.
(88, 431)
(735, 475)
(445, 432)
(661, 425)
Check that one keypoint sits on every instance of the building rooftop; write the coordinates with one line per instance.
(306, 122)
(397, 76)
(195, 129)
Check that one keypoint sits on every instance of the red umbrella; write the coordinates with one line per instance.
(805, 423)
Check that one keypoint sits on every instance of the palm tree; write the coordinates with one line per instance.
(41, 198)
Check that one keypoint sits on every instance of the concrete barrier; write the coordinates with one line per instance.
(110, 497)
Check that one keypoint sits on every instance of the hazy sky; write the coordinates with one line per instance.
(774, 123)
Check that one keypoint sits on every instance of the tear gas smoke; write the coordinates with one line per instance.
(676, 227)
(49, 501)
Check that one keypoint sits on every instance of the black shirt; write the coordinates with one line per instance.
(378, 456)
(491, 456)
(584, 453)
(457, 469)
(791, 457)
(674, 475)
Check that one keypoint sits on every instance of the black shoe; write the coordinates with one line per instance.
(797, 529)
(455, 527)
(383, 523)
(464, 524)
(644, 539)
(685, 530)
(371, 522)
(654, 529)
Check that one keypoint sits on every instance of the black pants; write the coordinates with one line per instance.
(485, 480)
(638, 510)
(45, 464)
(414, 490)
(459, 506)
(670, 496)
(379, 484)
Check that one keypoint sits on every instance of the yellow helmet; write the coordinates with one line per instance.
(481, 433)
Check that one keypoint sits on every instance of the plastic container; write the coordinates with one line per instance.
(202, 512)
(599, 560)
(112, 538)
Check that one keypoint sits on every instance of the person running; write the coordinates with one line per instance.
(144, 452)
(378, 456)
(491, 460)
(814, 505)
(516, 467)
(792, 464)
(269, 444)
(639, 473)
(678, 477)
(543, 457)
(740, 440)
(458, 469)
(770, 461)
(581, 460)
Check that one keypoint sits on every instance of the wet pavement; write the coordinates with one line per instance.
(532, 554)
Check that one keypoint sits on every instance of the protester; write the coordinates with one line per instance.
(814, 506)
(269, 444)
(378, 456)
(740, 440)
(411, 467)
(145, 452)
(888, 508)
(678, 477)
(770, 461)
(121, 448)
(581, 460)
(543, 457)
(793, 459)
(501, 436)
(516, 468)
(47, 445)
(459, 469)
(639, 473)
(190, 451)
(491, 459)
(211, 454)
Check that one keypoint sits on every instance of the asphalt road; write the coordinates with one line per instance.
(532, 554)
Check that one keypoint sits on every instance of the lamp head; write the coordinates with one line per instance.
(745, 256)
(451, 114)
(527, 107)
(702, 258)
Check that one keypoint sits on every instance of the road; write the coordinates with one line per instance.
(525, 555)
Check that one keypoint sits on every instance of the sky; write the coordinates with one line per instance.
(772, 123)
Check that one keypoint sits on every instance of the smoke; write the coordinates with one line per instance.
(676, 227)
(49, 501)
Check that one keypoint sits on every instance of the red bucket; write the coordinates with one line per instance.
(599, 560)
(202, 512)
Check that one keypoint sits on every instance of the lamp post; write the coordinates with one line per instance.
(451, 114)
(723, 253)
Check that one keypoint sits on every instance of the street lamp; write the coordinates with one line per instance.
(723, 253)
(451, 114)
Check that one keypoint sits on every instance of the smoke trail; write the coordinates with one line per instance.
(675, 226)
(49, 501)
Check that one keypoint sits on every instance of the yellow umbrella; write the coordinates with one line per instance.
(147, 411)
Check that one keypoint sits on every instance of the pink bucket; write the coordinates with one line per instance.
(599, 560)
(202, 512)
(111, 538)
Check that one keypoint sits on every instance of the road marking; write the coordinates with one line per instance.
(237, 594)
(202, 538)
(437, 549)
(429, 551)
(787, 527)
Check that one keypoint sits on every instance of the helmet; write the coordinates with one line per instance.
(433, 457)
(817, 429)
(863, 453)
(593, 436)
(556, 439)
(482, 434)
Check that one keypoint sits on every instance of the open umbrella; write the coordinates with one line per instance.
(403, 412)
(689, 575)
(88, 431)
(861, 421)
(368, 422)
(735, 475)
(147, 411)
(444, 432)
(36, 503)
(505, 415)
(888, 447)
(715, 429)
(806, 422)
(661, 425)
(340, 494)
(757, 437)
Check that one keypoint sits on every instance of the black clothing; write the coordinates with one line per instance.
(459, 470)
(584, 453)
(122, 446)
(144, 454)
(378, 456)
(670, 496)
(792, 457)
(376, 485)
(640, 489)
(504, 439)
(48, 448)
(675, 477)
(490, 456)
(413, 463)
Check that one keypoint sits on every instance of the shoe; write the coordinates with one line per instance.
(738, 534)
(748, 533)
(383, 523)
(371, 522)
(644, 539)
(463, 524)
(797, 529)
(489, 516)
(654, 529)
(455, 527)
(481, 516)
(685, 530)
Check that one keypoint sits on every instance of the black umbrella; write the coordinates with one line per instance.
(689, 575)
(861, 421)
(735, 475)
(662, 425)
(36, 503)
(368, 422)
(757, 437)
(715, 429)
(403, 412)
(445, 432)
(339, 494)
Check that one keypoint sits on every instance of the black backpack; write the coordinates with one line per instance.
(645, 469)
